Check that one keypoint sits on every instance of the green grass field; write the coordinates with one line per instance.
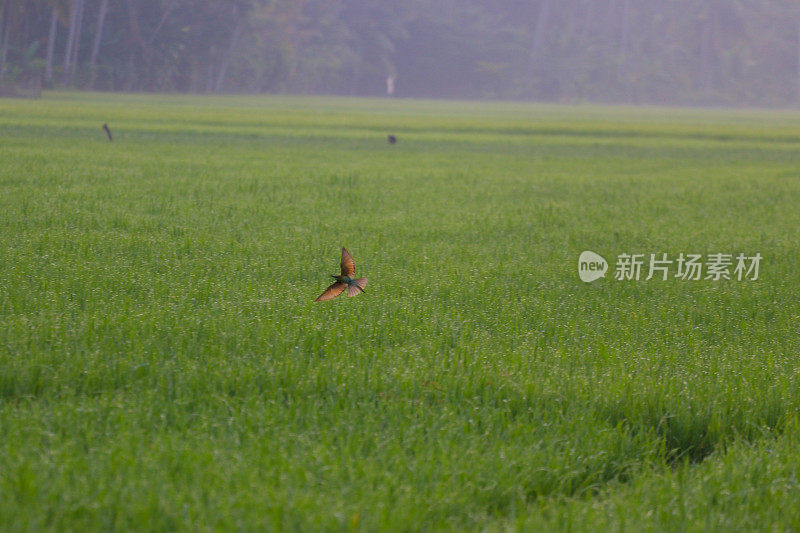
(163, 365)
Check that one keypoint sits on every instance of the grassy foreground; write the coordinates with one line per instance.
(163, 365)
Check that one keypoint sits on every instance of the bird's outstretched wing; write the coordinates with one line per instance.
(348, 265)
(357, 287)
(332, 292)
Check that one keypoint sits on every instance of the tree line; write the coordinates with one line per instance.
(728, 52)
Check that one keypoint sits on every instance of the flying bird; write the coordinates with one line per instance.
(108, 132)
(392, 139)
(345, 281)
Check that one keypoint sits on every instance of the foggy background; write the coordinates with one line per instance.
(699, 52)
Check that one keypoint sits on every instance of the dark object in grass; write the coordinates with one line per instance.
(392, 139)
(108, 132)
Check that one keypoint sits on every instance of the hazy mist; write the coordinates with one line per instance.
(699, 52)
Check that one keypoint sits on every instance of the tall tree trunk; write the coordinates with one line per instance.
(798, 59)
(356, 68)
(77, 43)
(624, 39)
(226, 59)
(537, 44)
(101, 17)
(4, 31)
(131, 81)
(9, 19)
(51, 46)
(210, 75)
(137, 42)
(540, 31)
(73, 17)
(707, 57)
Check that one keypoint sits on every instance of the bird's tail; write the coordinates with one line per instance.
(357, 287)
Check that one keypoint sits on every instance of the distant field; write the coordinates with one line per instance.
(163, 365)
